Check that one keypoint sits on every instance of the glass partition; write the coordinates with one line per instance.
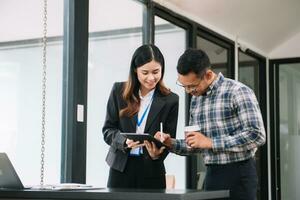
(249, 72)
(115, 31)
(171, 41)
(289, 129)
(21, 87)
(217, 54)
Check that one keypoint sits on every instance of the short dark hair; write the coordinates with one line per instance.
(193, 60)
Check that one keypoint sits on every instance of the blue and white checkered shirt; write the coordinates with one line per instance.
(228, 114)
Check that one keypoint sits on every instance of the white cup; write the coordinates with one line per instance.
(188, 129)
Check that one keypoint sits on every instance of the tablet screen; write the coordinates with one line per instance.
(142, 137)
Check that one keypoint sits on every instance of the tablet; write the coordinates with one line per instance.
(142, 137)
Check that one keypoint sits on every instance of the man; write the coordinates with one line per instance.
(230, 123)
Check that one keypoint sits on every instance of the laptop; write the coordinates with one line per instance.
(9, 179)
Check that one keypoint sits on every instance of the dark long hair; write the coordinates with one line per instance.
(141, 56)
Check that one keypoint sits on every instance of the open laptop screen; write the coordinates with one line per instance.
(8, 176)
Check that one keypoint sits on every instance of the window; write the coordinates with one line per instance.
(167, 33)
(288, 132)
(21, 87)
(114, 34)
(249, 72)
(217, 54)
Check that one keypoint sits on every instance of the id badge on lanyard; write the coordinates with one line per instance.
(138, 151)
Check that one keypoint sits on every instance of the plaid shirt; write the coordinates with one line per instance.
(228, 114)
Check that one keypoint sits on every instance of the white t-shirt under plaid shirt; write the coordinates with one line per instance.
(228, 114)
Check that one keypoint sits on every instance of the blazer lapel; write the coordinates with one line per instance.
(157, 104)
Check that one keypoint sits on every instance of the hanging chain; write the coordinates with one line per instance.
(44, 44)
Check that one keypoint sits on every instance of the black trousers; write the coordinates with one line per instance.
(239, 177)
(135, 177)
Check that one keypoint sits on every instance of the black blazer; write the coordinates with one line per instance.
(163, 109)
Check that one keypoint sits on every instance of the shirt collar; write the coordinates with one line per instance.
(147, 96)
(215, 84)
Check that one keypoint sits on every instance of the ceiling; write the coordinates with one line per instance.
(261, 25)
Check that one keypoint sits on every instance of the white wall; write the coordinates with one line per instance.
(288, 49)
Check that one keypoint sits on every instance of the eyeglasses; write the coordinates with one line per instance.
(189, 88)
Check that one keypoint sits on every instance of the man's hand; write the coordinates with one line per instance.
(153, 151)
(164, 138)
(198, 140)
(132, 144)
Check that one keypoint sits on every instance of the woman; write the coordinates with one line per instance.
(139, 105)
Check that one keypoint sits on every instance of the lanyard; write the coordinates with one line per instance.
(139, 122)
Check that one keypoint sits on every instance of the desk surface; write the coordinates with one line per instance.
(114, 194)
